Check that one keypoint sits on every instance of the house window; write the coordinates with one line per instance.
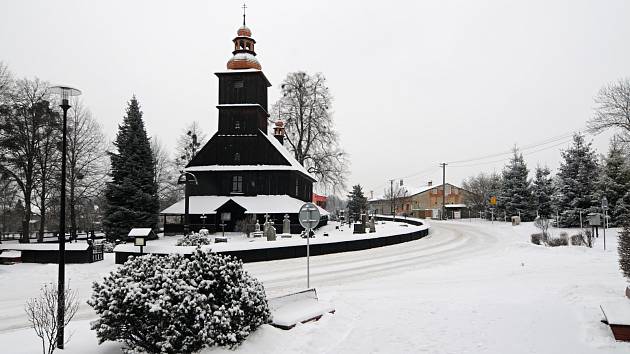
(237, 184)
(237, 157)
(238, 84)
(297, 187)
(237, 124)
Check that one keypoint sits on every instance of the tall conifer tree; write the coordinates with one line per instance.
(542, 190)
(516, 190)
(576, 182)
(132, 199)
(357, 202)
(614, 180)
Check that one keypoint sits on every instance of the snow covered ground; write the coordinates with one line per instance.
(469, 287)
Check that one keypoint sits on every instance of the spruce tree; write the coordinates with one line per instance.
(131, 196)
(623, 247)
(516, 191)
(614, 180)
(542, 190)
(357, 202)
(577, 176)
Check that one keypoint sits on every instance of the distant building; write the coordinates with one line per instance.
(244, 173)
(425, 202)
(320, 200)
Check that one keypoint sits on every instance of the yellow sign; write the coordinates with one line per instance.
(493, 200)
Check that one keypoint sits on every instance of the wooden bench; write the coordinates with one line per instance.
(617, 316)
(301, 307)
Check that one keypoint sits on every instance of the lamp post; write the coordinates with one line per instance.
(65, 92)
(183, 179)
(605, 209)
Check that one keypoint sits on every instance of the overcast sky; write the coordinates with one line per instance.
(415, 83)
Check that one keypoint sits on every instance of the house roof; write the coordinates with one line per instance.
(412, 191)
(260, 204)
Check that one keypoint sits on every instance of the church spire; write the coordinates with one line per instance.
(244, 54)
(244, 7)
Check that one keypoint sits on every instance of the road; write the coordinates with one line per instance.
(446, 243)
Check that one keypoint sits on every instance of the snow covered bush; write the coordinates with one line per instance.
(537, 238)
(193, 240)
(557, 241)
(173, 304)
(108, 247)
(577, 240)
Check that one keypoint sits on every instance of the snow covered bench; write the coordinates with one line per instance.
(300, 307)
(617, 316)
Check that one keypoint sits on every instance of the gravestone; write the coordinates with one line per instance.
(270, 232)
(286, 224)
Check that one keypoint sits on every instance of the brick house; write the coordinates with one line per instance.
(425, 202)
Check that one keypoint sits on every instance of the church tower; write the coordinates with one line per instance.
(244, 169)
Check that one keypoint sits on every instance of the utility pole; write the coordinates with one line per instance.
(443, 164)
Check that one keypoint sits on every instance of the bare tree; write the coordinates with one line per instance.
(87, 160)
(305, 107)
(166, 174)
(47, 158)
(21, 121)
(613, 109)
(42, 314)
(481, 188)
(396, 196)
(6, 83)
(188, 143)
(8, 196)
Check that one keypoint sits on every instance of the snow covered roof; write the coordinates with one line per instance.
(260, 204)
(288, 156)
(240, 168)
(294, 165)
(140, 231)
(70, 246)
(411, 191)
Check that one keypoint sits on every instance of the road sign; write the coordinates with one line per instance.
(493, 200)
(309, 216)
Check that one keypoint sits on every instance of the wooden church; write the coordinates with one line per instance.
(244, 172)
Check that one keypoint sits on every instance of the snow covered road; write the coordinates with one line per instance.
(446, 243)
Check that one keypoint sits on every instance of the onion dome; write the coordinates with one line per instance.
(244, 54)
(244, 31)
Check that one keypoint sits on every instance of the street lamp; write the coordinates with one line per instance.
(605, 209)
(65, 92)
(183, 179)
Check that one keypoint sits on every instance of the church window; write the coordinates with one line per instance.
(237, 184)
(237, 157)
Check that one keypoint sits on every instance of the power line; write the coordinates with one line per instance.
(522, 148)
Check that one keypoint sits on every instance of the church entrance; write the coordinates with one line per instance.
(227, 216)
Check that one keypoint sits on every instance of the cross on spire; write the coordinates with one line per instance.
(244, 7)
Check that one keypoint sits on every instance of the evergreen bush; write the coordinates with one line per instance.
(173, 304)
(193, 239)
(557, 241)
(537, 238)
(623, 247)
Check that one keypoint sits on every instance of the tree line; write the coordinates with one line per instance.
(30, 159)
(583, 179)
